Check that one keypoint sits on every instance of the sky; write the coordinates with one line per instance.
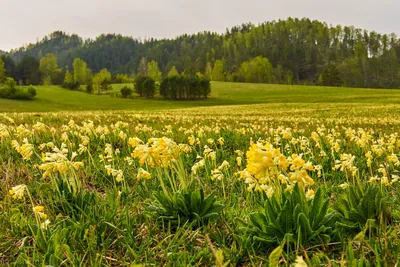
(26, 21)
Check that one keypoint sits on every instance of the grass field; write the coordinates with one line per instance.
(258, 175)
(54, 98)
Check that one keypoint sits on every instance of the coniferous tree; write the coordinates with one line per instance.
(2, 71)
(173, 72)
(331, 76)
(28, 71)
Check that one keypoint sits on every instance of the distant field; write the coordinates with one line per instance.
(54, 98)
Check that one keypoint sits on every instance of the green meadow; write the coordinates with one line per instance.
(55, 98)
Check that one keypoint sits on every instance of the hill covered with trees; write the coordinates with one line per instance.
(291, 51)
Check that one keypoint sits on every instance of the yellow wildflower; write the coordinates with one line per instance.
(39, 210)
(142, 174)
(17, 192)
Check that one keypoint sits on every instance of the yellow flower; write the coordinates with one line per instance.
(297, 161)
(134, 141)
(224, 165)
(221, 141)
(44, 224)
(142, 174)
(16, 145)
(191, 140)
(216, 175)
(185, 148)
(343, 186)
(300, 262)
(17, 192)
(197, 165)
(39, 210)
(310, 194)
(26, 150)
(118, 174)
(385, 181)
(239, 161)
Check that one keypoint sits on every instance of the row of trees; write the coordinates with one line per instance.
(9, 89)
(26, 71)
(173, 87)
(46, 71)
(299, 50)
(82, 75)
(145, 86)
(182, 87)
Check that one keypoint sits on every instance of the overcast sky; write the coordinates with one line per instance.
(25, 21)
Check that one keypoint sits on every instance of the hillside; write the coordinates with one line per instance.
(297, 51)
(53, 98)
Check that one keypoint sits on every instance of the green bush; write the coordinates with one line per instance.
(32, 90)
(89, 88)
(10, 91)
(126, 92)
(106, 85)
(71, 85)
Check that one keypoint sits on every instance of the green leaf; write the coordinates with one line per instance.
(321, 214)
(207, 204)
(275, 256)
(305, 227)
(317, 204)
(354, 200)
(195, 202)
(259, 220)
(285, 218)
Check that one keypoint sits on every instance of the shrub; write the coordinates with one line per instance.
(123, 78)
(105, 85)
(10, 91)
(89, 88)
(32, 90)
(71, 85)
(126, 91)
(10, 83)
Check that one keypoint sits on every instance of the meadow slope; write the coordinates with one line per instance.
(54, 98)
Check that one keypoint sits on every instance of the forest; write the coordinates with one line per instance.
(291, 51)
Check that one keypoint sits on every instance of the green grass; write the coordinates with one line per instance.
(54, 98)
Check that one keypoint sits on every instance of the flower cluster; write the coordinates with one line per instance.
(157, 152)
(26, 150)
(267, 168)
(57, 161)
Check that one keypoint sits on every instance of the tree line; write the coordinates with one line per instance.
(292, 51)
(9, 89)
